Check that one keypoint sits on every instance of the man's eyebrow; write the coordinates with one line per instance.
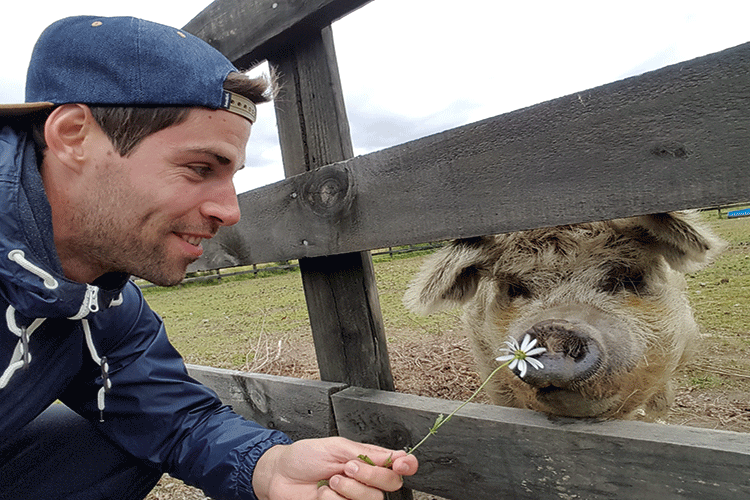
(223, 160)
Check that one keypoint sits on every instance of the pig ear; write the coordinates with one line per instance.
(686, 243)
(449, 277)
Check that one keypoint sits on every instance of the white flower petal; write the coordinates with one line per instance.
(505, 358)
(513, 363)
(527, 346)
(534, 352)
(535, 363)
(525, 342)
(522, 368)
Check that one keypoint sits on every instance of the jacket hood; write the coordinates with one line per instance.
(31, 277)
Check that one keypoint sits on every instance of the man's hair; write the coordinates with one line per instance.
(126, 126)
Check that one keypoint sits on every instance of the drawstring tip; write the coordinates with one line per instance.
(25, 348)
(100, 404)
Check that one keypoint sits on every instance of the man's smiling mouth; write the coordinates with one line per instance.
(193, 240)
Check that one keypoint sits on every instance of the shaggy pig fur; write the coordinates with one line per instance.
(605, 298)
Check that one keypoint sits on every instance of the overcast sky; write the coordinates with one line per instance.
(410, 68)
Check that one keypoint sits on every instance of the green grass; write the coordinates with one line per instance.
(705, 381)
(720, 296)
(220, 323)
(720, 293)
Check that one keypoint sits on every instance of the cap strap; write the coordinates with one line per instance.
(239, 105)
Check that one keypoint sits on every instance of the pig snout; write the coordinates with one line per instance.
(573, 354)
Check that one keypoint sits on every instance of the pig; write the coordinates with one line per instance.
(606, 299)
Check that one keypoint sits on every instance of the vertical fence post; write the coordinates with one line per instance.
(340, 290)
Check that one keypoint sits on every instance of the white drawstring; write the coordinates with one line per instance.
(102, 362)
(22, 356)
(116, 302)
(19, 258)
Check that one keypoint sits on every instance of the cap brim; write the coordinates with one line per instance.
(24, 108)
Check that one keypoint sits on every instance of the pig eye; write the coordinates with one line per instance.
(629, 280)
(516, 289)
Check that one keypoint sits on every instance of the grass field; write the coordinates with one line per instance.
(230, 324)
(260, 324)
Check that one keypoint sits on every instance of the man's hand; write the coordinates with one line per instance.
(293, 472)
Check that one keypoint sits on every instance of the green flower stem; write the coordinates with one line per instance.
(440, 420)
(518, 354)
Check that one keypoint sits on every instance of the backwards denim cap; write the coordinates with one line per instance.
(124, 61)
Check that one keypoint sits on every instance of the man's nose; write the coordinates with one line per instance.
(223, 205)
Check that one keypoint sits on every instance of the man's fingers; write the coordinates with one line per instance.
(405, 465)
(388, 458)
(375, 476)
(347, 487)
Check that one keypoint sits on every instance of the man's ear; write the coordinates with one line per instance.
(65, 133)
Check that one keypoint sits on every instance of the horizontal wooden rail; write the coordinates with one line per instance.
(491, 451)
(495, 452)
(300, 408)
(671, 139)
(249, 31)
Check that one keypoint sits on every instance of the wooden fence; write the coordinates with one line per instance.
(494, 452)
(671, 139)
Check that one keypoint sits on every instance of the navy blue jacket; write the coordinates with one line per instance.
(64, 340)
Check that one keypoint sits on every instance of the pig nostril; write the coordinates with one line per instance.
(576, 348)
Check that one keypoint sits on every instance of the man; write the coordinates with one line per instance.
(120, 163)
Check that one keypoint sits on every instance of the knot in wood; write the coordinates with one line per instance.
(670, 150)
(328, 192)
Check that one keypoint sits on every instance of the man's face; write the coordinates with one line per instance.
(149, 211)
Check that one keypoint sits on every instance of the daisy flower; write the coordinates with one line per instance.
(518, 355)
(521, 355)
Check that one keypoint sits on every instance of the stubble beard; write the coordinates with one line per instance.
(113, 241)
(124, 251)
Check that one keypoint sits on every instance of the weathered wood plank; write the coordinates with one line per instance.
(249, 31)
(300, 408)
(310, 110)
(671, 139)
(344, 309)
(494, 452)
(341, 294)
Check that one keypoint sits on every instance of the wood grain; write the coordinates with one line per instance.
(300, 408)
(671, 139)
(250, 31)
(495, 452)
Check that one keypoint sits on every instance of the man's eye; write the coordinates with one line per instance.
(202, 170)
